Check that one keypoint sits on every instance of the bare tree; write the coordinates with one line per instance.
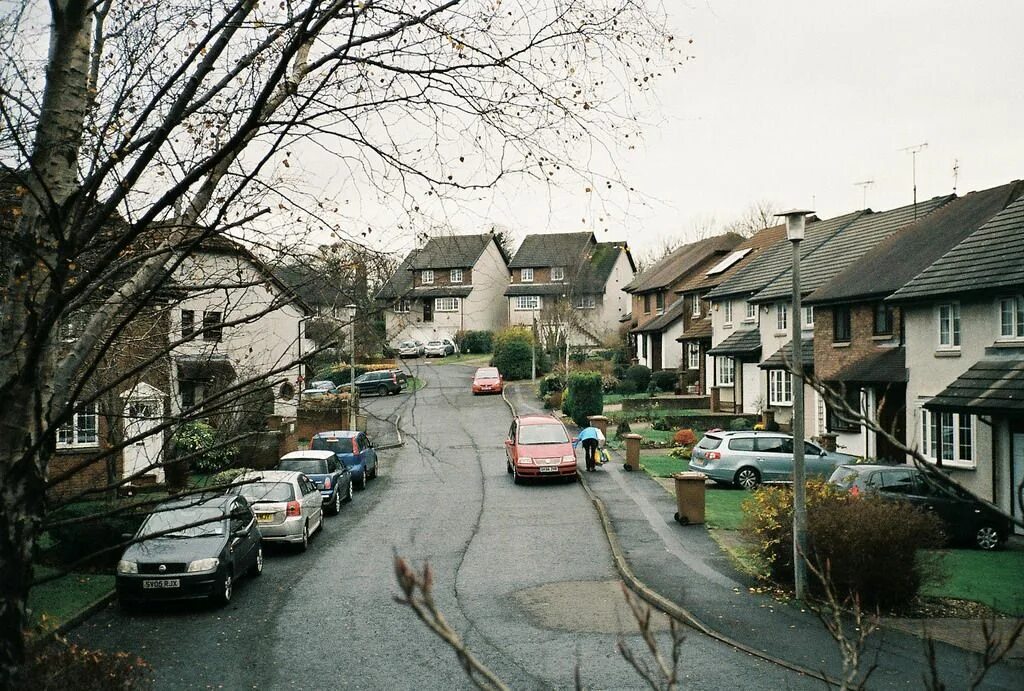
(148, 128)
(757, 216)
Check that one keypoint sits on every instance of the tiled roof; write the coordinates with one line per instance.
(783, 357)
(889, 365)
(772, 261)
(846, 247)
(739, 343)
(991, 258)
(700, 330)
(440, 292)
(538, 289)
(593, 274)
(551, 249)
(400, 282)
(587, 267)
(905, 254)
(450, 252)
(679, 262)
(756, 244)
(993, 384)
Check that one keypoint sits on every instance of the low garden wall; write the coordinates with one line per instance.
(667, 403)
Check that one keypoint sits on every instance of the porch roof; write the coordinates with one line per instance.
(994, 384)
(740, 343)
(440, 292)
(782, 357)
(883, 366)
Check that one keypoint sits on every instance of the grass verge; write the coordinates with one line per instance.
(479, 359)
(59, 600)
(991, 578)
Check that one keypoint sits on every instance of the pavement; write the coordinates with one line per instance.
(683, 572)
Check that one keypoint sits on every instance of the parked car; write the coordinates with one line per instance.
(382, 382)
(330, 475)
(450, 347)
(353, 449)
(539, 446)
(435, 349)
(288, 506)
(748, 458)
(487, 380)
(323, 385)
(191, 548)
(410, 349)
(966, 518)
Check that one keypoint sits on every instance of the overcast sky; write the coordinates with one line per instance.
(794, 103)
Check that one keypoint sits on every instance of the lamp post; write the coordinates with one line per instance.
(533, 346)
(795, 222)
(351, 346)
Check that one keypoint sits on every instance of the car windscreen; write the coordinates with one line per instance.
(309, 466)
(709, 442)
(210, 520)
(335, 444)
(267, 491)
(487, 374)
(542, 434)
(434, 344)
(842, 477)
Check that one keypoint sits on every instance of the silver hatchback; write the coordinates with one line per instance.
(287, 504)
(748, 458)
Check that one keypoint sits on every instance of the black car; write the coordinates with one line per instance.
(965, 518)
(381, 382)
(330, 475)
(191, 548)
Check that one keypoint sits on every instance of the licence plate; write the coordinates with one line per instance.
(264, 517)
(156, 584)
(549, 469)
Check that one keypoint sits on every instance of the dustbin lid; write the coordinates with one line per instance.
(689, 476)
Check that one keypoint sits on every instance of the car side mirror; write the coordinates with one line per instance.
(508, 442)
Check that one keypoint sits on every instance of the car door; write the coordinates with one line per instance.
(244, 535)
(369, 453)
(307, 502)
(511, 452)
(955, 514)
(775, 454)
(815, 463)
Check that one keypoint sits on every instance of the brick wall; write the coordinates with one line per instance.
(830, 358)
(443, 277)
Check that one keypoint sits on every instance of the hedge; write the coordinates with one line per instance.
(639, 375)
(584, 397)
(665, 380)
(474, 341)
(513, 353)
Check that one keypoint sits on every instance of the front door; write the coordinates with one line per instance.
(1017, 476)
(428, 310)
(655, 350)
(142, 415)
(892, 414)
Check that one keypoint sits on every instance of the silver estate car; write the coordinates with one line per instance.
(288, 506)
(748, 458)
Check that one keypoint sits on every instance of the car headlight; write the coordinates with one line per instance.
(525, 460)
(203, 565)
(568, 459)
(127, 566)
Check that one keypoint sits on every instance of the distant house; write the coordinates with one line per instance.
(572, 285)
(454, 283)
(658, 311)
(964, 322)
(859, 346)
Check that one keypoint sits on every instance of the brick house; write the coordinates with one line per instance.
(659, 313)
(859, 346)
(572, 285)
(964, 323)
(453, 283)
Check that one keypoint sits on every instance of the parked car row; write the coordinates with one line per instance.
(440, 347)
(381, 382)
(198, 547)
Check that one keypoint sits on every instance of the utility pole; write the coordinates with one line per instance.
(913, 162)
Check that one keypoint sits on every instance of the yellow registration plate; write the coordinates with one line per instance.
(264, 517)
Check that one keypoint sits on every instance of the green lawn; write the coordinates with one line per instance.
(722, 507)
(480, 359)
(415, 384)
(661, 464)
(61, 599)
(992, 578)
(619, 397)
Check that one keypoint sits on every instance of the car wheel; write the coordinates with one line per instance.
(304, 544)
(361, 483)
(747, 478)
(516, 478)
(987, 538)
(508, 467)
(336, 504)
(225, 589)
(348, 491)
(382, 390)
(257, 568)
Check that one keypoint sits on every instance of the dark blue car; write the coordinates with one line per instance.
(330, 475)
(353, 449)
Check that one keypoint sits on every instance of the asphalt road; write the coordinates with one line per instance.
(524, 573)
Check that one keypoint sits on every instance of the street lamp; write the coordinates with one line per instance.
(795, 222)
(351, 347)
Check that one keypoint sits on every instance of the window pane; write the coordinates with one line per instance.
(1020, 315)
(946, 435)
(966, 443)
(88, 427)
(956, 324)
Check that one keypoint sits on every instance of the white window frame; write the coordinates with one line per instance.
(751, 311)
(695, 304)
(952, 338)
(446, 304)
(727, 309)
(527, 303)
(455, 276)
(403, 306)
(808, 317)
(780, 387)
(526, 275)
(725, 367)
(82, 431)
(584, 302)
(557, 273)
(960, 425)
(1010, 311)
(427, 276)
(781, 316)
(692, 355)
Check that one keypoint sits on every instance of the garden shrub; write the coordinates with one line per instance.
(661, 424)
(664, 380)
(62, 665)
(199, 442)
(622, 429)
(626, 387)
(739, 424)
(681, 452)
(639, 375)
(578, 357)
(550, 383)
(474, 341)
(609, 383)
(226, 477)
(868, 546)
(584, 397)
(75, 542)
(684, 437)
(553, 400)
(513, 353)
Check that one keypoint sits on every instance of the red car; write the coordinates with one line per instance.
(539, 446)
(487, 380)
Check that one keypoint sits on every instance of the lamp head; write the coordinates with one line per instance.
(795, 223)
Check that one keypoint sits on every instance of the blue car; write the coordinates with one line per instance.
(353, 449)
(331, 476)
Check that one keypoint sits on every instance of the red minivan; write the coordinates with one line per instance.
(539, 446)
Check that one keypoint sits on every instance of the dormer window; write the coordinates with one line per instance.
(557, 273)
(526, 275)
(427, 276)
(455, 275)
